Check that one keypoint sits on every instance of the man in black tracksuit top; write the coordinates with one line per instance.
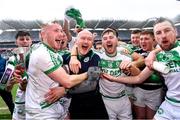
(86, 104)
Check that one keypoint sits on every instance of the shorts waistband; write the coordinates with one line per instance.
(149, 87)
(172, 100)
(116, 97)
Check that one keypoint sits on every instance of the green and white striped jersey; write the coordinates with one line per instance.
(110, 65)
(172, 80)
(43, 60)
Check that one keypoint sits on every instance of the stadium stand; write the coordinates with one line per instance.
(124, 27)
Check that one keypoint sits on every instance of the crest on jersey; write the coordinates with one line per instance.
(86, 59)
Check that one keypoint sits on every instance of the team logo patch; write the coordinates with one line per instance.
(169, 56)
(160, 111)
(86, 59)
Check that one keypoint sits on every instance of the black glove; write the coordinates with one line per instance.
(85, 86)
(88, 85)
(94, 73)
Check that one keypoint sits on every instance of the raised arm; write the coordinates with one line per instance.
(74, 63)
(66, 28)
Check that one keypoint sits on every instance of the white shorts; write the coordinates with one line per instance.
(129, 91)
(167, 111)
(65, 102)
(54, 112)
(119, 108)
(150, 98)
(19, 112)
